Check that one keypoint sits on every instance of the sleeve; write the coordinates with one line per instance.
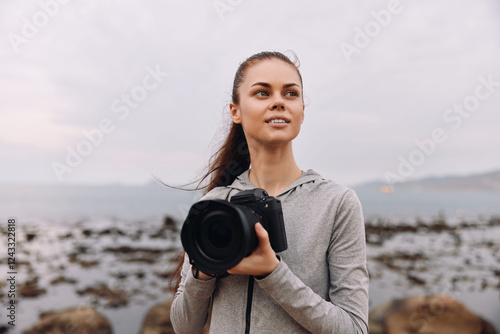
(347, 310)
(189, 311)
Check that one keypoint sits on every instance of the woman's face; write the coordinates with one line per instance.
(270, 109)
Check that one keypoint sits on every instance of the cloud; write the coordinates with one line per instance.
(65, 79)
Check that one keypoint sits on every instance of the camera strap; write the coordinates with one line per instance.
(228, 193)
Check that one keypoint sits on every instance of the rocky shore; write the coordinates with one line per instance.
(117, 273)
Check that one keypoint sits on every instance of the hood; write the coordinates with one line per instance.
(242, 182)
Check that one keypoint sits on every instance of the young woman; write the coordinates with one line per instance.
(320, 283)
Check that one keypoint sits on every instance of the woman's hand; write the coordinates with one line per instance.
(202, 276)
(263, 259)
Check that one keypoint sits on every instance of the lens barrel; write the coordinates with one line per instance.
(217, 235)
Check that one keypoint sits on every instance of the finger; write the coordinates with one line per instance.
(261, 232)
(263, 236)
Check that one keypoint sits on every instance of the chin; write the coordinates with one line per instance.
(277, 141)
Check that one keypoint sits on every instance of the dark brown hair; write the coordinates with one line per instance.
(233, 157)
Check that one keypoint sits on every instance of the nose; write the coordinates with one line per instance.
(278, 105)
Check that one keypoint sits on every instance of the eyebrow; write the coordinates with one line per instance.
(265, 84)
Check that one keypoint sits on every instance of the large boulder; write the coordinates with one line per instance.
(85, 320)
(157, 320)
(439, 314)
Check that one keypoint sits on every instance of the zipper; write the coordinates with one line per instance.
(249, 304)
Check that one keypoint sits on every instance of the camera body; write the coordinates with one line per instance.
(218, 234)
(269, 210)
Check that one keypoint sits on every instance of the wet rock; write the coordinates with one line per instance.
(415, 279)
(169, 224)
(77, 320)
(439, 314)
(138, 254)
(378, 231)
(146, 260)
(494, 221)
(137, 250)
(62, 279)
(74, 258)
(120, 275)
(114, 298)
(81, 249)
(157, 320)
(88, 264)
(30, 236)
(168, 229)
(87, 232)
(140, 274)
(68, 235)
(30, 288)
(400, 261)
(136, 235)
(112, 231)
(165, 274)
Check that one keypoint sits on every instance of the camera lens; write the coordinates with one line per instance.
(219, 234)
(219, 237)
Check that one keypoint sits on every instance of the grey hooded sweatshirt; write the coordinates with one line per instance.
(319, 286)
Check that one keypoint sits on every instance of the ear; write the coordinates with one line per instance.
(303, 109)
(235, 113)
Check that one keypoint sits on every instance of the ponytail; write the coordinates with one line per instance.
(232, 159)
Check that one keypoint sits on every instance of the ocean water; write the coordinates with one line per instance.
(60, 203)
(69, 203)
(408, 205)
(462, 261)
(65, 218)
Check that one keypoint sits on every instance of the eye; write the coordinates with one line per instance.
(291, 93)
(261, 93)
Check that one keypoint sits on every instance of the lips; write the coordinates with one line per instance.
(278, 120)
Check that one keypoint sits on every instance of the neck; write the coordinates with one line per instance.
(273, 168)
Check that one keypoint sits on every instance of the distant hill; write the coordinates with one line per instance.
(485, 182)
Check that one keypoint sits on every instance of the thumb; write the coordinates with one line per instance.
(264, 242)
(261, 233)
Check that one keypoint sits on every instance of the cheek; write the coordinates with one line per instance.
(298, 126)
(299, 112)
(251, 113)
(247, 122)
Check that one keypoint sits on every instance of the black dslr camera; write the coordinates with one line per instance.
(218, 234)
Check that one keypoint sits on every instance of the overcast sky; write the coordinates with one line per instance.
(155, 78)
